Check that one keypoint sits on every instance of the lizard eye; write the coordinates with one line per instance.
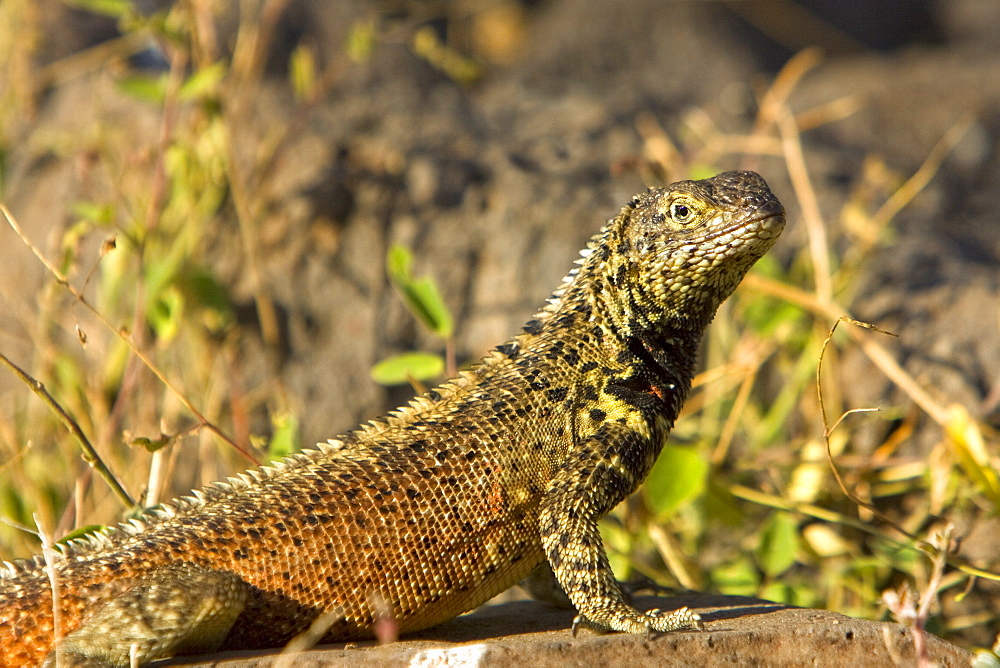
(680, 213)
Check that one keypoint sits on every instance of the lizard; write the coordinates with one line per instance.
(438, 506)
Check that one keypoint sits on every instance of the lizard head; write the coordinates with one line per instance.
(674, 254)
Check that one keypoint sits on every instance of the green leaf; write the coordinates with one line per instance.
(401, 369)
(166, 312)
(81, 532)
(765, 316)
(203, 83)
(361, 40)
(12, 504)
(779, 592)
(210, 297)
(96, 214)
(302, 71)
(144, 88)
(113, 8)
(722, 506)
(462, 70)
(737, 578)
(697, 172)
(779, 544)
(968, 445)
(420, 295)
(678, 476)
(151, 444)
(285, 440)
(618, 544)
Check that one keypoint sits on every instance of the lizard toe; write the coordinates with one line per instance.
(673, 621)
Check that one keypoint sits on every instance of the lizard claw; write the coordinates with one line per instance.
(582, 622)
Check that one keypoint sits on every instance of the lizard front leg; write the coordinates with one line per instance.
(595, 477)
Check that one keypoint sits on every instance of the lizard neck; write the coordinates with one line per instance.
(653, 346)
(647, 362)
(665, 360)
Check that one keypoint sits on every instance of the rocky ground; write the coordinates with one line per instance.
(738, 632)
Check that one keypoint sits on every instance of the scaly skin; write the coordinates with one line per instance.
(444, 503)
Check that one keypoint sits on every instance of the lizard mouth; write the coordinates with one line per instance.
(772, 208)
(769, 209)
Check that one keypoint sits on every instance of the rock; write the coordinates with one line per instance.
(738, 631)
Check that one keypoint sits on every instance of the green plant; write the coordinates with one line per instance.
(423, 299)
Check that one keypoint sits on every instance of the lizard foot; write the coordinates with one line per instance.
(653, 621)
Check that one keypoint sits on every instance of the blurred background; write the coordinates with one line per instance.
(263, 218)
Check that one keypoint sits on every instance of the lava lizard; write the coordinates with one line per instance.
(433, 509)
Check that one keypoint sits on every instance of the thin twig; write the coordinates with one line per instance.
(267, 314)
(89, 453)
(905, 193)
(657, 146)
(875, 352)
(961, 564)
(159, 181)
(774, 100)
(49, 558)
(828, 112)
(253, 40)
(739, 404)
(939, 557)
(833, 517)
(672, 555)
(815, 230)
(827, 429)
(62, 280)
(88, 60)
(819, 367)
(308, 638)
